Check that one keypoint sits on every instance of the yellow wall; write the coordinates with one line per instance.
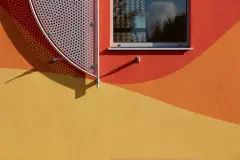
(51, 111)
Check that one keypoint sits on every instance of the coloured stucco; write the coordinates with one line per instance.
(172, 105)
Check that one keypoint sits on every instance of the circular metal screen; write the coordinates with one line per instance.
(69, 26)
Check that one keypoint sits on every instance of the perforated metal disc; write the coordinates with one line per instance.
(69, 27)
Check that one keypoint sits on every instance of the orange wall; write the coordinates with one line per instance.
(182, 106)
(205, 80)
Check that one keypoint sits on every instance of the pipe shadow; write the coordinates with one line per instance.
(78, 84)
(22, 75)
(29, 41)
(119, 68)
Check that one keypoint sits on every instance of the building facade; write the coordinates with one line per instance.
(181, 102)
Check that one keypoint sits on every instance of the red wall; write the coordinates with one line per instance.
(209, 20)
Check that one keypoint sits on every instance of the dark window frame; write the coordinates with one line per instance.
(169, 45)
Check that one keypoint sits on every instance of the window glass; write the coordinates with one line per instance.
(155, 21)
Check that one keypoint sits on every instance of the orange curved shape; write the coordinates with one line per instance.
(210, 85)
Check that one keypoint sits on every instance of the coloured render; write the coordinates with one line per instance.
(170, 106)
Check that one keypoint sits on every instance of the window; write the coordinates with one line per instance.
(150, 23)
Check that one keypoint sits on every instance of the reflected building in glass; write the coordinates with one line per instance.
(129, 21)
(141, 21)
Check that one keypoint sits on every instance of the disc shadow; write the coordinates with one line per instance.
(27, 38)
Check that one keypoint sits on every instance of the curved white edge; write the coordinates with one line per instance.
(54, 46)
(146, 49)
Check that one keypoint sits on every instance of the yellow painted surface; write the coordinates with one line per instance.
(42, 120)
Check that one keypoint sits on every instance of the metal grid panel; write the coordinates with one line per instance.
(68, 24)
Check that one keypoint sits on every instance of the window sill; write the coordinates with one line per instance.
(146, 49)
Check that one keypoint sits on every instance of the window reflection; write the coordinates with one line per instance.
(150, 21)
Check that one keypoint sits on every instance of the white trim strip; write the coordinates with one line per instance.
(98, 45)
(150, 49)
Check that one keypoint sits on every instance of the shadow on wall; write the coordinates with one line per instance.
(19, 24)
(22, 30)
(142, 52)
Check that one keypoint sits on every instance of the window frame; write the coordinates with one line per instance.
(153, 45)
